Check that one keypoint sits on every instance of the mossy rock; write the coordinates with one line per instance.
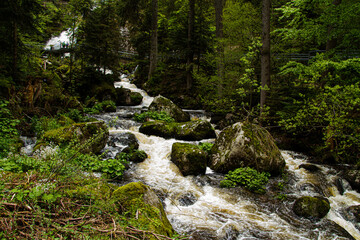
(189, 158)
(92, 136)
(246, 145)
(189, 131)
(143, 208)
(124, 97)
(311, 207)
(162, 104)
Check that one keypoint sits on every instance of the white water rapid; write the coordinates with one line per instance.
(196, 206)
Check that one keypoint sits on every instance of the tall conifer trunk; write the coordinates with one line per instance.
(190, 47)
(265, 53)
(153, 38)
(219, 7)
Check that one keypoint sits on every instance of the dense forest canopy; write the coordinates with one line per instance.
(200, 53)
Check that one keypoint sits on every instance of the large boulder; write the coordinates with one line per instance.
(124, 97)
(190, 131)
(143, 207)
(162, 104)
(246, 145)
(91, 136)
(311, 207)
(189, 158)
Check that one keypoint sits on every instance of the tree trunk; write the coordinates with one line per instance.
(332, 42)
(265, 53)
(15, 43)
(190, 45)
(153, 38)
(219, 6)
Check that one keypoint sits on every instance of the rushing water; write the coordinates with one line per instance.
(196, 206)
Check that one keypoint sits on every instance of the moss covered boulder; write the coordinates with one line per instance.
(246, 145)
(91, 136)
(162, 104)
(189, 158)
(143, 208)
(124, 97)
(311, 207)
(190, 131)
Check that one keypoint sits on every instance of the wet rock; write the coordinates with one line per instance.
(353, 213)
(162, 104)
(231, 233)
(91, 136)
(124, 97)
(203, 235)
(148, 213)
(246, 145)
(342, 185)
(353, 177)
(311, 207)
(189, 158)
(190, 131)
(187, 199)
(310, 167)
(127, 139)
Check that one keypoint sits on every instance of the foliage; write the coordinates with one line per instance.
(309, 24)
(328, 102)
(247, 177)
(163, 116)
(206, 146)
(101, 107)
(8, 131)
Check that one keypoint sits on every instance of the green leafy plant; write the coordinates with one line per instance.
(105, 106)
(206, 146)
(248, 177)
(163, 116)
(8, 132)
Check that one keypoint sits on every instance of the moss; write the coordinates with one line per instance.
(246, 145)
(143, 208)
(84, 133)
(311, 207)
(136, 98)
(190, 131)
(161, 103)
(189, 158)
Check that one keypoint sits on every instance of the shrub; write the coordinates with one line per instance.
(248, 177)
(8, 132)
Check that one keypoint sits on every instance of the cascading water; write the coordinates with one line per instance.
(197, 206)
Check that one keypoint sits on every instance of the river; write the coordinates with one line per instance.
(195, 205)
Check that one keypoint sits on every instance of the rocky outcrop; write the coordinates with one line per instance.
(311, 207)
(189, 158)
(246, 145)
(91, 136)
(144, 207)
(190, 131)
(124, 97)
(162, 104)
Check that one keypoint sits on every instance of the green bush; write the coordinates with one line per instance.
(248, 177)
(163, 116)
(8, 132)
(105, 106)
